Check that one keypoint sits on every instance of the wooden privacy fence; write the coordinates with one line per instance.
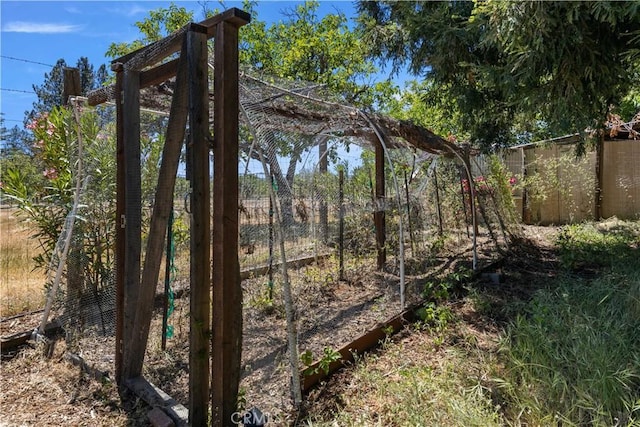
(216, 328)
(562, 188)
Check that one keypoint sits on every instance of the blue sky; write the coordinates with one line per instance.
(44, 31)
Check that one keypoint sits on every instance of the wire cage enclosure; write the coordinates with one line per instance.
(342, 218)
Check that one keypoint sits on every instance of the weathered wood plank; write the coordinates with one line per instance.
(12, 342)
(148, 78)
(159, 74)
(120, 235)
(233, 16)
(71, 84)
(359, 346)
(160, 217)
(156, 397)
(200, 226)
(294, 263)
(226, 341)
(132, 212)
(155, 52)
(101, 95)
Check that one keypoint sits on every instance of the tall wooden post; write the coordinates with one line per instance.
(379, 214)
(120, 236)
(226, 341)
(200, 225)
(132, 220)
(71, 84)
(75, 260)
(323, 210)
(599, 175)
(163, 203)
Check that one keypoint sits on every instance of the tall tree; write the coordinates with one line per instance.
(308, 48)
(50, 92)
(513, 67)
(302, 47)
(160, 23)
(574, 59)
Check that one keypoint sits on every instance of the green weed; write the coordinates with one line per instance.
(573, 357)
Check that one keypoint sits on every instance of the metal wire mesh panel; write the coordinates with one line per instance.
(332, 240)
(80, 280)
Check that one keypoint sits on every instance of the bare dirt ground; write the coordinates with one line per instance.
(38, 391)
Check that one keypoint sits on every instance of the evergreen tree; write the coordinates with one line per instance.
(50, 92)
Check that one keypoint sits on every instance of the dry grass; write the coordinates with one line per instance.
(417, 378)
(21, 288)
(37, 391)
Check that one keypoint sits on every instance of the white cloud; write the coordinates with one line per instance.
(39, 28)
(129, 10)
(72, 9)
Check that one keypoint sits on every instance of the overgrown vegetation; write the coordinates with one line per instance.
(563, 180)
(573, 356)
(569, 355)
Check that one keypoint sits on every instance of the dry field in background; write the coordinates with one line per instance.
(21, 288)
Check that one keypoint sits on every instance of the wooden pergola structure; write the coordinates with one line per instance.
(187, 76)
(215, 329)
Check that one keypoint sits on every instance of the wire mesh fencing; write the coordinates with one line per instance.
(80, 277)
(317, 213)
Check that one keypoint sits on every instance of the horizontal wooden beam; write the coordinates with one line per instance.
(154, 52)
(101, 95)
(359, 346)
(295, 263)
(233, 16)
(11, 342)
(159, 74)
(154, 76)
(155, 397)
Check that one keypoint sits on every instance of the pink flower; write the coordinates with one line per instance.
(513, 180)
(50, 173)
(38, 144)
(32, 124)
